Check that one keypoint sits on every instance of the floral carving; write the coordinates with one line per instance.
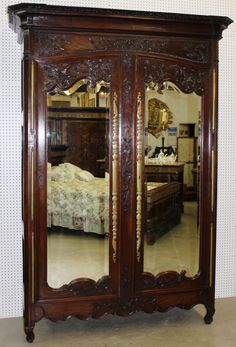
(124, 307)
(163, 280)
(63, 75)
(85, 287)
(187, 79)
(56, 44)
(126, 175)
(198, 51)
(52, 44)
(127, 134)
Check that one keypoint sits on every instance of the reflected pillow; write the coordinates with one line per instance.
(85, 176)
(70, 167)
(62, 175)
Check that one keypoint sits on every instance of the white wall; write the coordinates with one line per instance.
(185, 109)
(10, 148)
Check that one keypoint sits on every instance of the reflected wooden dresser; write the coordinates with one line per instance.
(167, 173)
(164, 209)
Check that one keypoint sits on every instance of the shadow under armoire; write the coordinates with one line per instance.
(100, 88)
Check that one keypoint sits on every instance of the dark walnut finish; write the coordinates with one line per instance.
(126, 49)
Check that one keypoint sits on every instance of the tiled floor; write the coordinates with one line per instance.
(175, 328)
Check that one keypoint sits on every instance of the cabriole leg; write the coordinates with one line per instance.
(29, 331)
(209, 315)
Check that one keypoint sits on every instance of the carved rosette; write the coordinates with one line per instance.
(187, 79)
(63, 75)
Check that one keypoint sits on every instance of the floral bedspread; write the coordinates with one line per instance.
(79, 205)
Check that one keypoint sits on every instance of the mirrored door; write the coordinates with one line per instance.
(78, 182)
(171, 179)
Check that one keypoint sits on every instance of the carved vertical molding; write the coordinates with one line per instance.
(32, 164)
(32, 120)
(139, 177)
(115, 137)
(32, 169)
(212, 172)
(127, 134)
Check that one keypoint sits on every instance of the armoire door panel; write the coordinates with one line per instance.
(77, 199)
(171, 219)
(169, 227)
(80, 118)
(127, 172)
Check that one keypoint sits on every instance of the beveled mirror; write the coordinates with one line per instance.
(172, 165)
(78, 189)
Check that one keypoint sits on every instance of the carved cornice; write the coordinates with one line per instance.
(187, 79)
(63, 75)
(24, 8)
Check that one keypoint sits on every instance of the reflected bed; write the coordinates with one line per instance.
(77, 200)
(79, 205)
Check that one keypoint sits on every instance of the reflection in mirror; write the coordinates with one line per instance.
(172, 147)
(78, 183)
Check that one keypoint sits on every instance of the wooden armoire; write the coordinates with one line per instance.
(127, 54)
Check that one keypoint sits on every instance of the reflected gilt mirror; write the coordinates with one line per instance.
(78, 182)
(172, 147)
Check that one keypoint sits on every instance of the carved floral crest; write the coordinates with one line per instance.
(63, 75)
(187, 79)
